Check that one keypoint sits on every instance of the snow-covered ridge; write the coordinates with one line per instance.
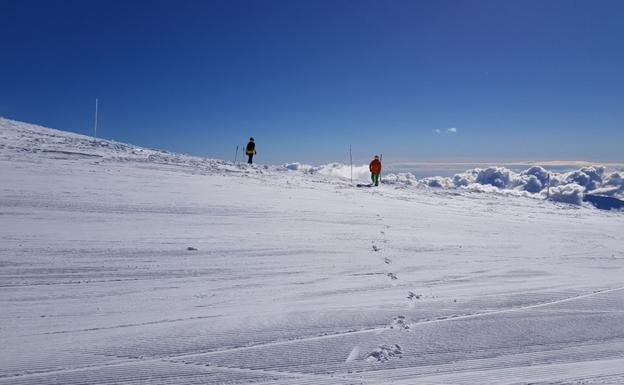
(568, 187)
(25, 139)
(19, 139)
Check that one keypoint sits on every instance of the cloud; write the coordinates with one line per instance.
(567, 187)
(437, 182)
(452, 130)
(403, 178)
(570, 193)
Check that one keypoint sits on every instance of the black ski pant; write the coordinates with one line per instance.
(250, 161)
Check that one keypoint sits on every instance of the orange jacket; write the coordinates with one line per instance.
(375, 166)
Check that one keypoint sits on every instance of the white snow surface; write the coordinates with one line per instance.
(126, 265)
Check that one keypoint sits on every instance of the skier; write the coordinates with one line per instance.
(251, 150)
(375, 169)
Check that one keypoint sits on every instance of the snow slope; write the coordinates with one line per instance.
(297, 277)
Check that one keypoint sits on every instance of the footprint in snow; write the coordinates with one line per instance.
(384, 353)
(387, 260)
(392, 276)
(400, 323)
(412, 296)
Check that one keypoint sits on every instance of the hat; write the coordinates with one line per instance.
(251, 139)
(376, 156)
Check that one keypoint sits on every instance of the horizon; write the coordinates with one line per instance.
(395, 164)
(442, 82)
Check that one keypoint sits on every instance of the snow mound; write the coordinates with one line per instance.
(337, 170)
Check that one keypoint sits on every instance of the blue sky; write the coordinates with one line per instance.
(518, 80)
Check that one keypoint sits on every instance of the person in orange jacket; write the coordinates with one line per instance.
(375, 169)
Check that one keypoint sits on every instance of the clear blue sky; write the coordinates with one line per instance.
(518, 80)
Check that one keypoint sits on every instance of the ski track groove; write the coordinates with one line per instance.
(132, 325)
(315, 376)
(313, 338)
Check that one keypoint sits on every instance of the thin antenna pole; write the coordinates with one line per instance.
(351, 162)
(236, 155)
(96, 118)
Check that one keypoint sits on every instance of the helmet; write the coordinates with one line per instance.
(376, 156)
(251, 139)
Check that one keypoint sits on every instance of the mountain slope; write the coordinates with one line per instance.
(291, 277)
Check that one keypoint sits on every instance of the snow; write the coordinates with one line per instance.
(297, 277)
(333, 169)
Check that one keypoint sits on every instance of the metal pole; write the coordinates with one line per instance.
(96, 118)
(351, 162)
(236, 156)
(380, 159)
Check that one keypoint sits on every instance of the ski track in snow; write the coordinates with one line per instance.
(127, 265)
(178, 358)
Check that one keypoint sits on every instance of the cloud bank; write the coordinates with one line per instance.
(566, 187)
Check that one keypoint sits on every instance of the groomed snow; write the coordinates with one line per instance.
(293, 275)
